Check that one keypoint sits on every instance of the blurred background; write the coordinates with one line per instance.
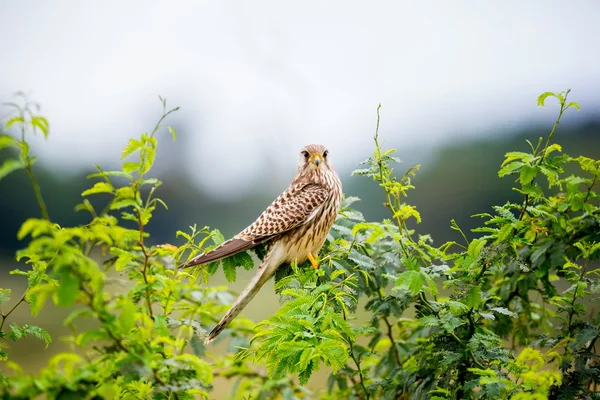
(256, 81)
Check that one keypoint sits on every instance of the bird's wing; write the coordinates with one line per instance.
(294, 207)
(228, 248)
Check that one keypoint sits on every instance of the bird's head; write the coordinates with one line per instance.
(314, 157)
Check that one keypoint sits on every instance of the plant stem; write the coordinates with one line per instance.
(360, 373)
(5, 316)
(548, 140)
(382, 179)
(390, 332)
(28, 167)
(146, 259)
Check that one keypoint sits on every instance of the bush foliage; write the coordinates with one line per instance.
(389, 315)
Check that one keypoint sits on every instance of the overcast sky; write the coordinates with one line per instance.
(258, 80)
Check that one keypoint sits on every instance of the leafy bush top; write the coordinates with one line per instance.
(505, 315)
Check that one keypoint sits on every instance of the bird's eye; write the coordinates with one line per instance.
(325, 154)
(305, 153)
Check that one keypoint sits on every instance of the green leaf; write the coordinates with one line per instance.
(99, 187)
(16, 332)
(474, 299)
(583, 338)
(475, 247)
(173, 132)
(35, 227)
(243, 259)
(38, 333)
(410, 263)
(406, 211)
(510, 167)
(127, 315)
(104, 174)
(68, 289)
(574, 105)
(5, 295)
(542, 98)
(122, 203)
(129, 166)
(517, 155)
(217, 237)
(229, 269)
(131, 147)
(9, 166)
(14, 120)
(92, 335)
(412, 281)
(38, 295)
(7, 141)
(528, 172)
(505, 311)
(41, 123)
(456, 307)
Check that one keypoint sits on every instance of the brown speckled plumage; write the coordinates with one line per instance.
(295, 225)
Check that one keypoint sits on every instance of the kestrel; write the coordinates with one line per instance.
(295, 226)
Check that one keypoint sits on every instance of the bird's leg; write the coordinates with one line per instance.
(313, 263)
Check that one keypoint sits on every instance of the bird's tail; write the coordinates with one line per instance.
(266, 269)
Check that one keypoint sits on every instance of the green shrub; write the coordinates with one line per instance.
(506, 315)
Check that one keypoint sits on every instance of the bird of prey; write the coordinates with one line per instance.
(295, 227)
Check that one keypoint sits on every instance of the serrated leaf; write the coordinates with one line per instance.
(217, 237)
(574, 105)
(474, 299)
(475, 247)
(517, 155)
(583, 337)
(528, 173)
(38, 333)
(244, 260)
(130, 166)
(456, 307)
(122, 203)
(505, 311)
(406, 211)
(510, 167)
(413, 281)
(38, 295)
(131, 146)
(5, 295)
(99, 187)
(229, 269)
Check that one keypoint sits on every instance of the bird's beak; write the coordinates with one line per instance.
(316, 159)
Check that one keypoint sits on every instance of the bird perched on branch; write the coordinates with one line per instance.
(295, 226)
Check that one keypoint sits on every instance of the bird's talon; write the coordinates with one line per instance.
(313, 263)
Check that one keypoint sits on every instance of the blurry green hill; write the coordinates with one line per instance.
(458, 177)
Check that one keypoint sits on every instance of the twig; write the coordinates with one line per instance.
(5, 316)
(360, 373)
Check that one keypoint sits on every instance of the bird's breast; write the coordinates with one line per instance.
(310, 237)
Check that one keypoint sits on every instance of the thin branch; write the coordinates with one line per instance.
(5, 316)
(360, 373)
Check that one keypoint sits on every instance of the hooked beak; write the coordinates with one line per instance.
(316, 159)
